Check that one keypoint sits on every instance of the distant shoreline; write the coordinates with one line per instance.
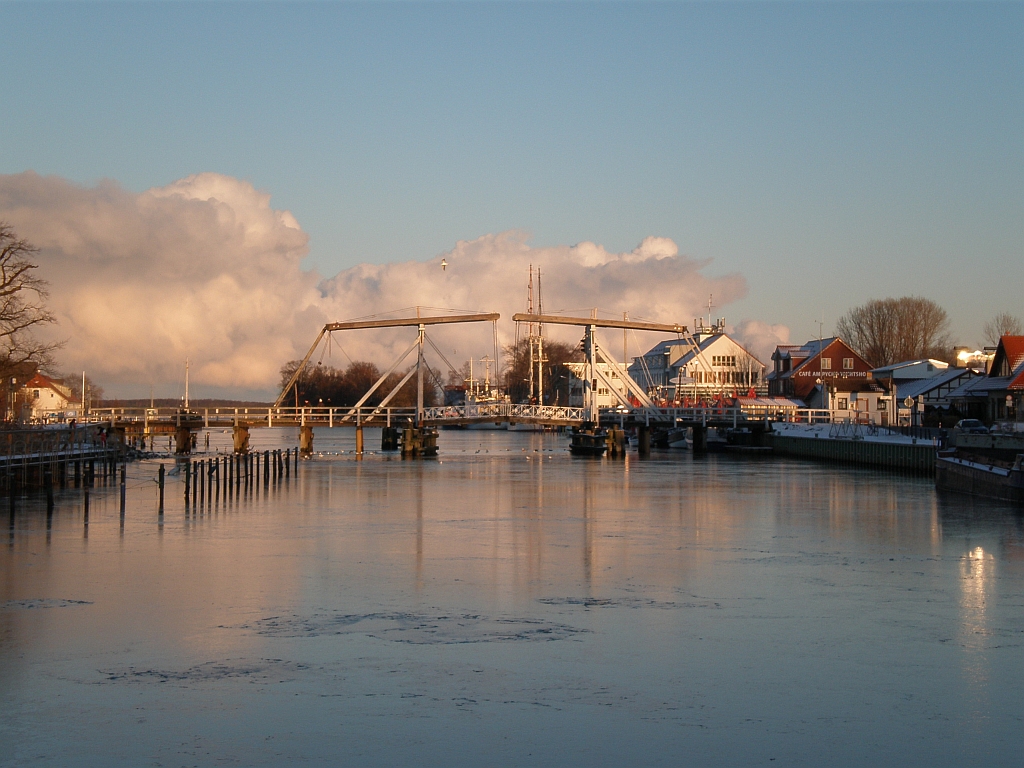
(172, 402)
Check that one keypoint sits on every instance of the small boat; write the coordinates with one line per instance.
(678, 437)
(588, 440)
(716, 441)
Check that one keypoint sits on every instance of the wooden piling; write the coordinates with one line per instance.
(48, 485)
(160, 483)
(124, 487)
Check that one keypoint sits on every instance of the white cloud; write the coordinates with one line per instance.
(760, 338)
(205, 268)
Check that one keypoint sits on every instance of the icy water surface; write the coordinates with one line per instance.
(507, 604)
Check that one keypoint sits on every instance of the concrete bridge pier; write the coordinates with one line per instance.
(419, 441)
(700, 439)
(183, 441)
(643, 440)
(240, 438)
(616, 441)
(306, 440)
(389, 438)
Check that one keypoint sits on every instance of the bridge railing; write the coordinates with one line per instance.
(512, 412)
(322, 415)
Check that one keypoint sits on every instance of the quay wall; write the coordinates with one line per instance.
(898, 456)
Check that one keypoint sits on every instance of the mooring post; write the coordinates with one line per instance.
(188, 481)
(160, 483)
(288, 463)
(48, 484)
(266, 468)
(124, 487)
(306, 439)
(359, 440)
(202, 483)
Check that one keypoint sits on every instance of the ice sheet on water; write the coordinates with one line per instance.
(626, 602)
(211, 671)
(417, 628)
(40, 602)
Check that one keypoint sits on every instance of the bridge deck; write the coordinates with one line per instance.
(165, 419)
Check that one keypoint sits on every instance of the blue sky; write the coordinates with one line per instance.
(830, 153)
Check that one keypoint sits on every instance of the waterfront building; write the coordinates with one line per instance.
(922, 387)
(999, 395)
(46, 400)
(827, 374)
(712, 364)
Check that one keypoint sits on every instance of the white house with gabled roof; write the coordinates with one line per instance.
(710, 363)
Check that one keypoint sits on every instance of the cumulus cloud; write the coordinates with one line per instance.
(206, 268)
(760, 338)
(203, 268)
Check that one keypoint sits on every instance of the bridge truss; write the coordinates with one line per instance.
(421, 323)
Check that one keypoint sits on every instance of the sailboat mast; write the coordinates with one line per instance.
(529, 309)
(540, 344)
(186, 383)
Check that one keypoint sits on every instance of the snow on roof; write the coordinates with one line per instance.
(924, 386)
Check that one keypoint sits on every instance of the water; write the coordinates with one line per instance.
(507, 604)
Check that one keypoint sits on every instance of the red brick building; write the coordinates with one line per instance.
(799, 369)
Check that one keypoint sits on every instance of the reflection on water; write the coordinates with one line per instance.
(512, 604)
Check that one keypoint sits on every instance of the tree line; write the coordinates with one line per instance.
(887, 331)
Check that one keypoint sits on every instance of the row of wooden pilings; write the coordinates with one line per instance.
(83, 475)
(206, 481)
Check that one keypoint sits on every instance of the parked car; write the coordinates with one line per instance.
(971, 427)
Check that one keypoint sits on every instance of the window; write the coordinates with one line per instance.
(882, 405)
(847, 363)
(826, 363)
(841, 404)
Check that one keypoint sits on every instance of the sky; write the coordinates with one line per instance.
(236, 173)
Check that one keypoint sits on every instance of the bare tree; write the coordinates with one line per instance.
(22, 309)
(1003, 324)
(886, 331)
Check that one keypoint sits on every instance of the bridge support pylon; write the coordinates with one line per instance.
(306, 440)
(389, 438)
(700, 438)
(240, 438)
(419, 441)
(643, 440)
(183, 441)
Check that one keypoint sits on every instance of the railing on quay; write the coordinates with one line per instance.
(24, 450)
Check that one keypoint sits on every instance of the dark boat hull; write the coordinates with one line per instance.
(964, 476)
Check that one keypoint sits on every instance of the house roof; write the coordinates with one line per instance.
(810, 349)
(1012, 349)
(924, 386)
(891, 369)
(41, 381)
(706, 343)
